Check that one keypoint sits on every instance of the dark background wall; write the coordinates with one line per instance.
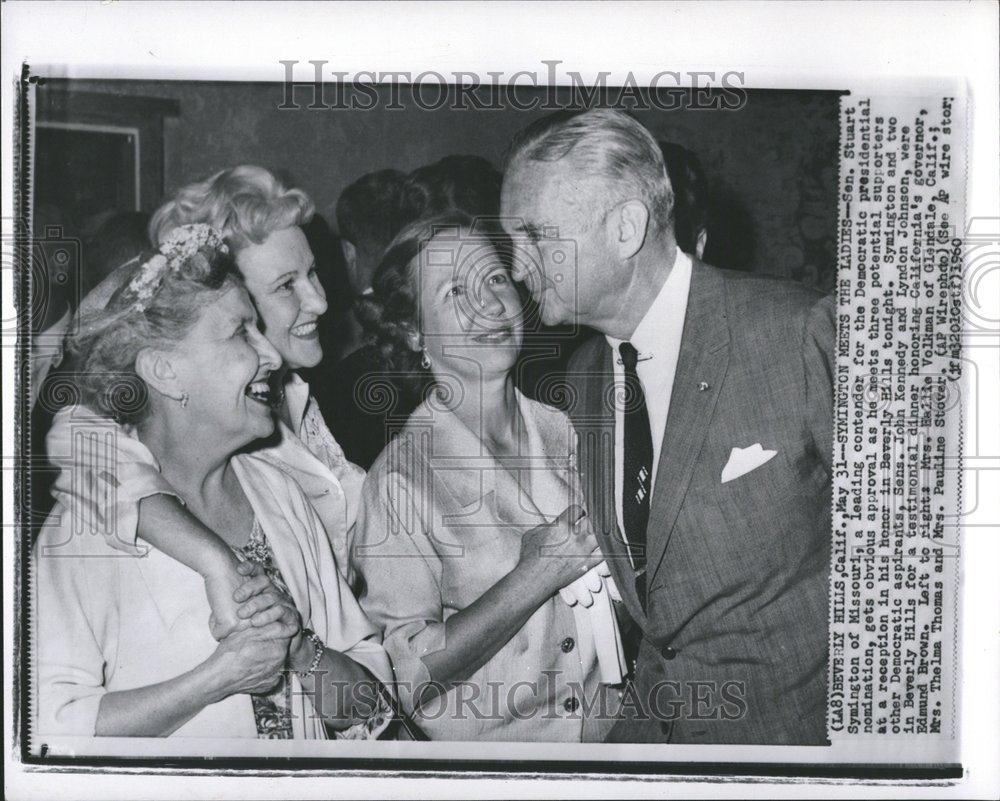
(771, 164)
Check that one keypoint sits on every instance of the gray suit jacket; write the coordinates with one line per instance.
(734, 633)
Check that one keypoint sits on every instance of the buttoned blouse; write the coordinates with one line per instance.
(440, 523)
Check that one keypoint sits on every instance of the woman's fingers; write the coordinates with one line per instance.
(220, 631)
(256, 604)
(282, 609)
(269, 615)
(251, 587)
(248, 568)
(272, 631)
(277, 630)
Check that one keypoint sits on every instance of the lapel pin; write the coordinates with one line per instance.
(702, 386)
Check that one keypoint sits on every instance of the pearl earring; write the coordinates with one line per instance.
(184, 400)
(425, 361)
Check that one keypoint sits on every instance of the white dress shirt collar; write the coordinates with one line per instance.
(656, 327)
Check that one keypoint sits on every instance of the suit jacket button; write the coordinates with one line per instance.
(571, 704)
(667, 652)
(567, 645)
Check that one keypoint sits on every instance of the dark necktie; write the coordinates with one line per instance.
(637, 476)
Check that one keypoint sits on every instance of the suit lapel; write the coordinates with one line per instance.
(701, 369)
(596, 446)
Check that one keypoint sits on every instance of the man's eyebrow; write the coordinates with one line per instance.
(231, 324)
(248, 318)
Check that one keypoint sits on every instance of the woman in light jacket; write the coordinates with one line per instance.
(121, 642)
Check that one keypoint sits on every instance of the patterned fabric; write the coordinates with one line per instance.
(375, 724)
(273, 711)
(317, 462)
(317, 437)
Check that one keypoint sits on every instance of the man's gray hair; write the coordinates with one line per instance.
(605, 143)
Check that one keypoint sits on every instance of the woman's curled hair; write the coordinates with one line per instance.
(246, 204)
(142, 313)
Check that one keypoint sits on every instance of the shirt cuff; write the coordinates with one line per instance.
(407, 653)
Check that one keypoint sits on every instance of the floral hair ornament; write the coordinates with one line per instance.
(179, 245)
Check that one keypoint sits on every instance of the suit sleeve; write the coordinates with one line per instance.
(818, 349)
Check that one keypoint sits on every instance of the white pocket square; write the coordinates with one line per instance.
(743, 460)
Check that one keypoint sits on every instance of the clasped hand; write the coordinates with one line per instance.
(268, 627)
(249, 599)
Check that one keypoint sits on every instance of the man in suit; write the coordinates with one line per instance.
(704, 417)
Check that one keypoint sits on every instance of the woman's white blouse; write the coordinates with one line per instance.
(335, 491)
(441, 522)
(105, 620)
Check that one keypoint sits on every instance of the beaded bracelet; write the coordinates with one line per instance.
(311, 635)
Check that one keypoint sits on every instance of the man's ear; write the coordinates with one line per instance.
(153, 367)
(629, 225)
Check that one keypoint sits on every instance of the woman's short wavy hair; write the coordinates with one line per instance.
(390, 314)
(108, 339)
(246, 204)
